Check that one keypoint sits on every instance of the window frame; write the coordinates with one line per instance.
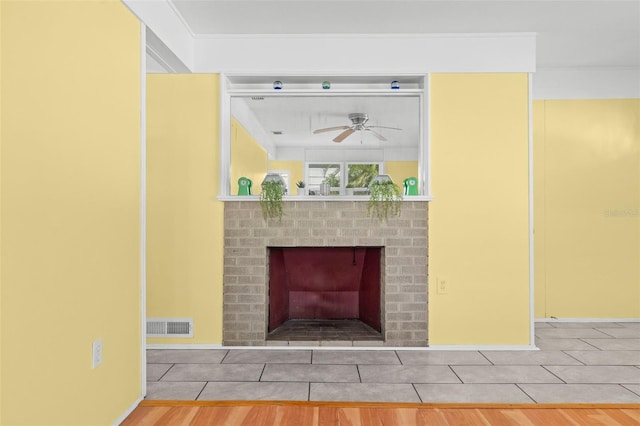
(358, 85)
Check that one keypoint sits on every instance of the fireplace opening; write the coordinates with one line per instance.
(325, 293)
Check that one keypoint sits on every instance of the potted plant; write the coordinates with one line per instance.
(301, 185)
(385, 199)
(273, 189)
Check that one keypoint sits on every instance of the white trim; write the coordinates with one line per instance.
(424, 170)
(164, 56)
(319, 198)
(128, 411)
(587, 83)
(352, 348)
(167, 25)
(224, 165)
(531, 217)
(484, 348)
(378, 53)
(357, 36)
(604, 320)
(143, 210)
(184, 22)
(184, 346)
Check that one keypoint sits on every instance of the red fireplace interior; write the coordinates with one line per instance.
(324, 283)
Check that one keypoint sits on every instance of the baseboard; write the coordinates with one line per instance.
(183, 346)
(354, 348)
(483, 348)
(587, 320)
(128, 411)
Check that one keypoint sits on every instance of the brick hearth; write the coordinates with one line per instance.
(325, 224)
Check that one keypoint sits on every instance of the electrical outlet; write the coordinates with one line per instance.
(442, 285)
(97, 353)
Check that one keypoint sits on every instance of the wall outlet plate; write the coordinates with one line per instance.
(442, 285)
(96, 353)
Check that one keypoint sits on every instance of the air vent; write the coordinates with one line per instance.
(170, 327)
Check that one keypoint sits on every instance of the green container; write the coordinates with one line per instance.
(244, 186)
(411, 186)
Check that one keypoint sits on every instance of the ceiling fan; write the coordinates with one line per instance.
(358, 122)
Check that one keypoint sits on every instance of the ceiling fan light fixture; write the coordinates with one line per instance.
(358, 123)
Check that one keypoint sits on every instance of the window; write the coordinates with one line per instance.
(317, 174)
(359, 176)
(298, 127)
(343, 178)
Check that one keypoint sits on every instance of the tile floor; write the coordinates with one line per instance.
(577, 363)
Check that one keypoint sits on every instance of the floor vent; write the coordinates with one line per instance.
(170, 327)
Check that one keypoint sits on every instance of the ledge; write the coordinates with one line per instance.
(364, 198)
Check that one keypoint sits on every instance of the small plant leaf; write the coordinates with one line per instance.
(385, 200)
(271, 200)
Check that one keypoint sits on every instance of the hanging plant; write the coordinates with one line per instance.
(385, 200)
(271, 199)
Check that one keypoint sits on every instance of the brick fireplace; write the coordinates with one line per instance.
(325, 223)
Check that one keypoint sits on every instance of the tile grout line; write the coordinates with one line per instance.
(454, 372)
(264, 367)
(555, 375)
(633, 392)
(486, 357)
(593, 346)
(165, 373)
(569, 355)
(525, 392)
(225, 356)
(201, 390)
(416, 391)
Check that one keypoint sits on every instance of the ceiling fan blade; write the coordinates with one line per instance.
(329, 129)
(376, 134)
(342, 136)
(385, 127)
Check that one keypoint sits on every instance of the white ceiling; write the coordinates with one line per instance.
(297, 117)
(570, 35)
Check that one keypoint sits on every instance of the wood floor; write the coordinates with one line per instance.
(263, 413)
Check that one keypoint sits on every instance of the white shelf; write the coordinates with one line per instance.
(364, 198)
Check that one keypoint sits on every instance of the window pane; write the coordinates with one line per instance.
(360, 175)
(320, 173)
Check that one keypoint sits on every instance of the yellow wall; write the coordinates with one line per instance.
(400, 170)
(248, 158)
(296, 168)
(1, 316)
(70, 218)
(587, 176)
(184, 219)
(478, 221)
